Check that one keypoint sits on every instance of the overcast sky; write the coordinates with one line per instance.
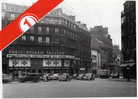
(93, 13)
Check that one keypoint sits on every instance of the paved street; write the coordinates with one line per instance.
(75, 88)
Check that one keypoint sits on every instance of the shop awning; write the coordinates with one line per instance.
(126, 64)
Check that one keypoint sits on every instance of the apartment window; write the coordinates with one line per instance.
(32, 29)
(39, 29)
(32, 38)
(39, 39)
(47, 40)
(76, 36)
(55, 40)
(24, 38)
(123, 19)
(47, 30)
(12, 16)
(64, 31)
(56, 30)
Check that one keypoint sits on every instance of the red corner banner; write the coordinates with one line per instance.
(25, 21)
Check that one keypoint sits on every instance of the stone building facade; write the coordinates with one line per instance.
(56, 44)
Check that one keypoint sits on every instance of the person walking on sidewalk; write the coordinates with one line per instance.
(128, 73)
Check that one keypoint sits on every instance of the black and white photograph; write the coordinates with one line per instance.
(81, 48)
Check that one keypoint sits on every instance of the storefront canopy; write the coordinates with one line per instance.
(127, 64)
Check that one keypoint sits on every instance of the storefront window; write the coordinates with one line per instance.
(15, 62)
(66, 63)
(19, 63)
(10, 63)
(46, 62)
(25, 63)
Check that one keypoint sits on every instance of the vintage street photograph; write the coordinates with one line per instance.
(82, 48)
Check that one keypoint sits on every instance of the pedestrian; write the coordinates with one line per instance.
(45, 77)
(128, 72)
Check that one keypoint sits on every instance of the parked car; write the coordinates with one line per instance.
(121, 76)
(53, 76)
(74, 76)
(44, 77)
(64, 77)
(103, 73)
(80, 76)
(34, 77)
(114, 75)
(6, 78)
(88, 76)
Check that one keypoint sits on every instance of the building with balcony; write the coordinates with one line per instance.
(56, 44)
(102, 43)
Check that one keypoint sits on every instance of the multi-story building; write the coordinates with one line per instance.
(95, 54)
(96, 61)
(128, 35)
(102, 41)
(116, 55)
(116, 59)
(56, 44)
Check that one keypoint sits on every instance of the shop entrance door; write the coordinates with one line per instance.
(36, 64)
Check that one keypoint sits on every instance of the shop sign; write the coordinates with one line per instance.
(39, 56)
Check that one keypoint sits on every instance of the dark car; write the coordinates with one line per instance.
(114, 75)
(74, 76)
(64, 77)
(80, 76)
(88, 76)
(6, 78)
(53, 76)
(104, 74)
(34, 77)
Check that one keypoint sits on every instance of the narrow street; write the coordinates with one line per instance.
(74, 88)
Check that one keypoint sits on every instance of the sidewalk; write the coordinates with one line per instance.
(122, 80)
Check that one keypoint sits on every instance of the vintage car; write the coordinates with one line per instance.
(44, 77)
(53, 76)
(88, 76)
(6, 78)
(114, 75)
(74, 76)
(34, 77)
(80, 76)
(64, 77)
(103, 73)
